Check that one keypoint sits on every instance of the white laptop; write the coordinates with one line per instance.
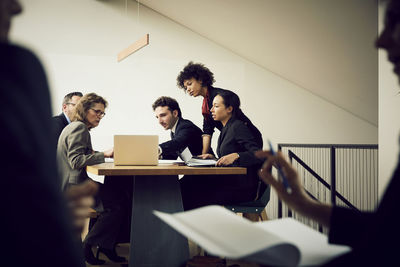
(191, 161)
(136, 150)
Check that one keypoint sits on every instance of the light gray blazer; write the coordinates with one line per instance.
(74, 153)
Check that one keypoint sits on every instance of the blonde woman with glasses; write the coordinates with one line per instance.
(74, 153)
(74, 148)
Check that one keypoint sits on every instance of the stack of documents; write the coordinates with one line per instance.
(282, 242)
(191, 161)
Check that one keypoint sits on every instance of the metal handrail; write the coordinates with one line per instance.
(332, 186)
(292, 155)
(358, 146)
(334, 195)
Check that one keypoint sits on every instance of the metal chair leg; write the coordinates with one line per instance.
(264, 216)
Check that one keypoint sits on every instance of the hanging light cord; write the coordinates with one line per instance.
(138, 10)
(126, 7)
(138, 13)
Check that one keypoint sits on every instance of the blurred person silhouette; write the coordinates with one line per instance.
(373, 236)
(38, 227)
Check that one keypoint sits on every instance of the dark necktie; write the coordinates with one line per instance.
(172, 135)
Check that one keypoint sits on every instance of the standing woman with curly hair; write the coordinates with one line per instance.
(197, 80)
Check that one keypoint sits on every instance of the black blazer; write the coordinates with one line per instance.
(59, 123)
(209, 124)
(236, 137)
(28, 179)
(187, 134)
(373, 236)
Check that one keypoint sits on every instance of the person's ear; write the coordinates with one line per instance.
(175, 113)
(229, 109)
(64, 107)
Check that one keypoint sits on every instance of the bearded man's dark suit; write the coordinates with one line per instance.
(187, 134)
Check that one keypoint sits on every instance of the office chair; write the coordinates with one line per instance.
(254, 210)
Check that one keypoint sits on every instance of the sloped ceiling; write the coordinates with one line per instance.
(323, 46)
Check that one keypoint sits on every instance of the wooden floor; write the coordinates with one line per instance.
(194, 250)
(123, 250)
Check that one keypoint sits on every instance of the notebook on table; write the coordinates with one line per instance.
(136, 150)
(191, 161)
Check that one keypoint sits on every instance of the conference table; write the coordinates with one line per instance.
(152, 242)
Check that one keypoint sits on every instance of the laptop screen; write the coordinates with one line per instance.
(135, 149)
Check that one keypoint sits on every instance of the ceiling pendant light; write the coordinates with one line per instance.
(140, 43)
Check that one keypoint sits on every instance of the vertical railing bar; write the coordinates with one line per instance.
(353, 175)
(365, 178)
(370, 179)
(333, 175)
(360, 178)
(279, 201)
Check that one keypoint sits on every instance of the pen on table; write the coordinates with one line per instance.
(284, 179)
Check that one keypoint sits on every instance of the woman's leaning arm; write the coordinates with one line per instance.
(78, 143)
(206, 143)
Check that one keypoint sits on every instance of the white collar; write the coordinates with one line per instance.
(173, 129)
(69, 121)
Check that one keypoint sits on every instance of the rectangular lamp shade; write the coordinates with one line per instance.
(142, 42)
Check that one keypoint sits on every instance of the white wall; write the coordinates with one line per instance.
(389, 110)
(332, 38)
(78, 41)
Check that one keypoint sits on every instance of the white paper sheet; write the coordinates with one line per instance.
(284, 242)
(95, 177)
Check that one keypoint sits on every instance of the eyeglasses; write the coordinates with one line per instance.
(98, 112)
(73, 104)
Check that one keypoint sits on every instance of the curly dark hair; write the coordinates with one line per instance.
(165, 101)
(197, 71)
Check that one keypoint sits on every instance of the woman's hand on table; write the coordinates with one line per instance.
(227, 159)
(206, 156)
(109, 153)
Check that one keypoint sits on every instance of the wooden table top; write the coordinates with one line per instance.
(109, 168)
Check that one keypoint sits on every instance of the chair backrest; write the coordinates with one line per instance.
(264, 198)
(256, 206)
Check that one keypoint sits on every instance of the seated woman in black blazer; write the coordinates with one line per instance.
(236, 147)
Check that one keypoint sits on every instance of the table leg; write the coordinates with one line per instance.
(153, 242)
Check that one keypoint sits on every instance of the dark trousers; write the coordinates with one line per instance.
(112, 226)
(202, 190)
